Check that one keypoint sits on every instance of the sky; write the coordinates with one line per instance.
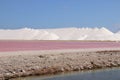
(44, 14)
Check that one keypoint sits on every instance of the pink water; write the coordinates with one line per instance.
(51, 45)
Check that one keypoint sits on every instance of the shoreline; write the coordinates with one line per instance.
(68, 73)
(55, 51)
(28, 63)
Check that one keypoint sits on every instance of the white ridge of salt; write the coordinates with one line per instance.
(59, 34)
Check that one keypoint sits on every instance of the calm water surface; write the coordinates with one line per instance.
(23, 45)
(104, 74)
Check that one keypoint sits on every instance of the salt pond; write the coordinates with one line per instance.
(23, 45)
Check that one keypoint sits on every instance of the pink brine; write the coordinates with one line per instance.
(52, 45)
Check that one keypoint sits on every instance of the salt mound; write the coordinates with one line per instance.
(27, 34)
(59, 34)
(81, 33)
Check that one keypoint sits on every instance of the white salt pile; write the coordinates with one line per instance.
(59, 34)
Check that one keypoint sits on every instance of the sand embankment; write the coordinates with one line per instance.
(26, 63)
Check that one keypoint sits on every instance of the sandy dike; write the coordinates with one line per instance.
(27, 63)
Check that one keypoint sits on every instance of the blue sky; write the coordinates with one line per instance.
(59, 13)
